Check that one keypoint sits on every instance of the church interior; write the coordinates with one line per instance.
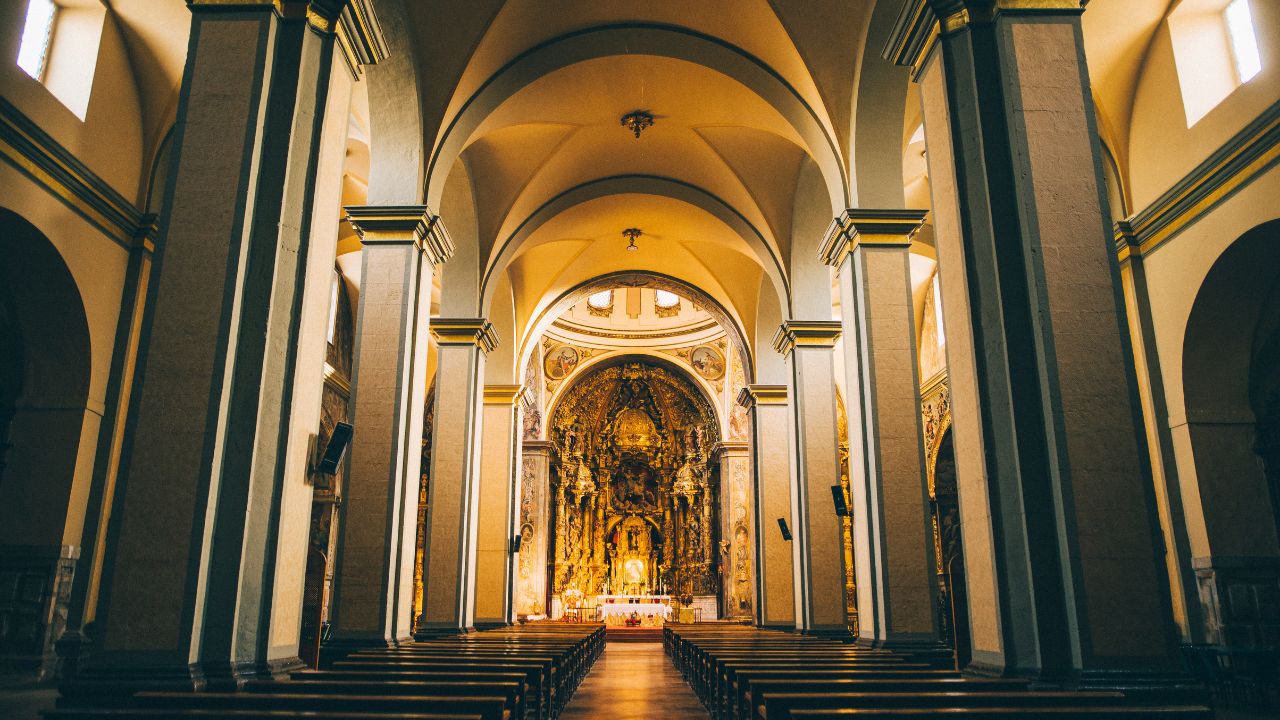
(750, 359)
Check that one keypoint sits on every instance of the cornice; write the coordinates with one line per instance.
(921, 22)
(465, 331)
(536, 447)
(752, 395)
(38, 156)
(806, 333)
(360, 35)
(402, 225)
(503, 394)
(869, 227)
(1239, 161)
(730, 447)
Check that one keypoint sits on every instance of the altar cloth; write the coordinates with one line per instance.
(608, 610)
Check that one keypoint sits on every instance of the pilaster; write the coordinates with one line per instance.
(498, 492)
(449, 557)
(190, 554)
(771, 466)
(737, 528)
(817, 545)
(534, 529)
(893, 548)
(1061, 537)
(373, 569)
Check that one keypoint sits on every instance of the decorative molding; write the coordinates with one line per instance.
(503, 394)
(337, 380)
(806, 333)
(752, 395)
(1239, 161)
(569, 326)
(921, 22)
(871, 227)
(401, 225)
(360, 35)
(38, 156)
(465, 331)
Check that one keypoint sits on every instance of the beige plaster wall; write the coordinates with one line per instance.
(1159, 123)
(110, 139)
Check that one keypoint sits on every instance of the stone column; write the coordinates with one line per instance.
(817, 547)
(534, 530)
(498, 491)
(1061, 540)
(190, 550)
(737, 524)
(771, 466)
(373, 566)
(449, 557)
(894, 555)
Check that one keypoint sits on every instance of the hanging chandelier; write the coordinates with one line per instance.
(637, 120)
(631, 234)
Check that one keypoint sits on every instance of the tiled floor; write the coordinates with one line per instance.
(634, 681)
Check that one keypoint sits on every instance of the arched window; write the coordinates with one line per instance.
(601, 300)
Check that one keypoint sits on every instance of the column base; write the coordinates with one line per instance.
(490, 624)
(842, 633)
(100, 685)
(337, 649)
(923, 649)
(435, 633)
(1145, 686)
(781, 627)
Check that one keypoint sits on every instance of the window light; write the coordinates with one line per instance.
(664, 299)
(33, 52)
(601, 300)
(1244, 40)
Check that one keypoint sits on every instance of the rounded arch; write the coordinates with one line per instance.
(633, 279)
(1236, 313)
(47, 405)
(610, 359)
(640, 39)
(766, 252)
(704, 395)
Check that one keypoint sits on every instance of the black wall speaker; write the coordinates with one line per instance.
(515, 543)
(786, 533)
(336, 448)
(837, 496)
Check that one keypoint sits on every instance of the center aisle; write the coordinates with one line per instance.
(634, 681)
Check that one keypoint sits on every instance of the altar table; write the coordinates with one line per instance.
(624, 610)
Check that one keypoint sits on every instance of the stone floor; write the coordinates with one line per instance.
(25, 703)
(634, 681)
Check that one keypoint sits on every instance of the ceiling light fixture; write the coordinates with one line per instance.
(637, 120)
(631, 234)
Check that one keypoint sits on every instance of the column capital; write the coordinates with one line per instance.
(753, 395)
(465, 331)
(730, 447)
(855, 227)
(921, 22)
(402, 225)
(806, 333)
(503, 394)
(536, 447)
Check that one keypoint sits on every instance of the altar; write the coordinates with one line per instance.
(652, 610)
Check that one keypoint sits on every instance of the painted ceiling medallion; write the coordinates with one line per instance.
(637, 121)
(631, 234)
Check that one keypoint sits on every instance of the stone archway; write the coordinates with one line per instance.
(1230, 385)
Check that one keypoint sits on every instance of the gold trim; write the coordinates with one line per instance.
(806, 333)
(336, 380)
(1147, 230)
(402, 225)
(752, 395)
(869, 227)
(32, 152)
(956, 21)
(503, 394)
(465, 331)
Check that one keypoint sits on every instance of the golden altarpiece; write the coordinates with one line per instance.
(634, 486)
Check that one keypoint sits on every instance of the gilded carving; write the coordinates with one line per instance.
(633, 492)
